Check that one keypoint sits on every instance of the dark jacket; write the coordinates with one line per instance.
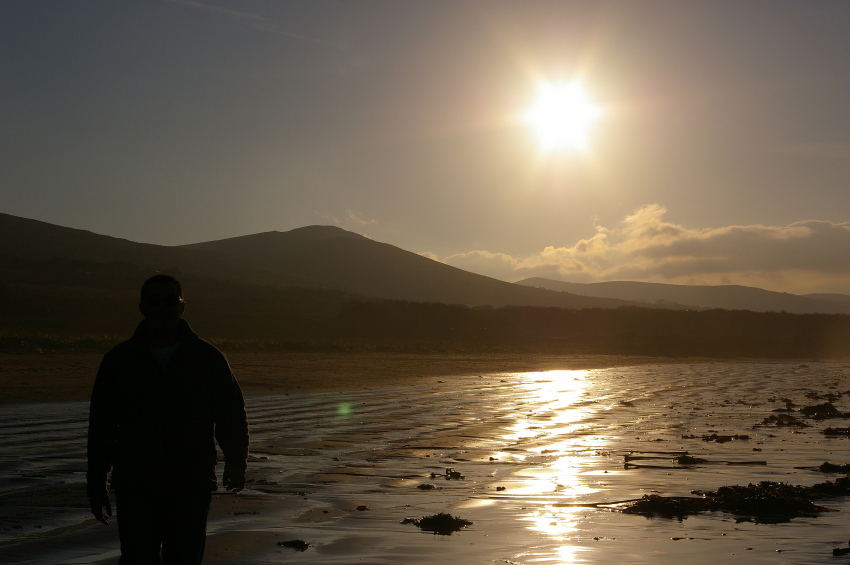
(156, 427)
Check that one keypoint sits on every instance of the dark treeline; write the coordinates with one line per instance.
(60, 304)
(627, 331)
(308, 320)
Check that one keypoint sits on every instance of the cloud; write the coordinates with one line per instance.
(351, 219)
(498, 265)
(805, 256)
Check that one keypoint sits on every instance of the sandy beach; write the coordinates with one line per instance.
(60, 377)
(539, 458)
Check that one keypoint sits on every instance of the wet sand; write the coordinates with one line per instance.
(59, 377)
(341, 469)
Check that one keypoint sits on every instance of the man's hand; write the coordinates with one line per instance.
(99, 503)
(233, 478)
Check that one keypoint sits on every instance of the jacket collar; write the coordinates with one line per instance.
(185, 335)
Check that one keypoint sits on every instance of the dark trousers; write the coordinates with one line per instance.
(173, 522)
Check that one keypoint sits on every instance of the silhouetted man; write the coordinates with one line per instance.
(160, 400)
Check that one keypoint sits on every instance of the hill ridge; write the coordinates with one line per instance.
(729, 297)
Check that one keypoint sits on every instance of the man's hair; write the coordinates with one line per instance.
(161, 278)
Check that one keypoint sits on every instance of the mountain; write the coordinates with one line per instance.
(321, 288)
(314, 257)
(828, 297)
(728, 297)
(36, 240)
(333, 258)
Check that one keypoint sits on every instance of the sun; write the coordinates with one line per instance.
(562, 116)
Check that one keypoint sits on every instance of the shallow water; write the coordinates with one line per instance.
(341, 470)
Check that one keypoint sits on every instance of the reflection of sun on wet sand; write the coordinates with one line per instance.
(536, 461)
(68, 376)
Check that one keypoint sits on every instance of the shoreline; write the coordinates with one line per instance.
(543, 459)
(32, 377)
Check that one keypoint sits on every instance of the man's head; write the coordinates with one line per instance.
(162, 302)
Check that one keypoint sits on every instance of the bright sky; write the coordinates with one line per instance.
(713, 147)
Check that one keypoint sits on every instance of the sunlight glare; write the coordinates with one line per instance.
(562, 116)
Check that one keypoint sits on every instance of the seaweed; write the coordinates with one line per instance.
(766, 502)
(450, 474)
(443, 523)
(827, 467)
(297, 544)
(783, 420)
(822, 411)
(689, 460)
(718, 438)
(651, 505)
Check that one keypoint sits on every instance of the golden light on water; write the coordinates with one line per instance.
(562, 116)
(557, 430)
(563, 388)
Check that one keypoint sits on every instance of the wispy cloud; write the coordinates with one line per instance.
(253, 20)
(351, 218)
(805, 256)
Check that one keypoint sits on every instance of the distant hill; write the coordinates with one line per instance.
(36, 240)
(315, 257)
(321, 288)
(728, 297)
(333, 258)
(827, 297)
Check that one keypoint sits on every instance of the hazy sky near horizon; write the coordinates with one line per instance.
(721, 154)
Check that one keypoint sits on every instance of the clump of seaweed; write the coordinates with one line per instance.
(783, 420)
(766, 502)
(718, 438)
(827, 467)
(836, 432)
(443, 523)
(689, 460)
(822, 411)
(450, 474)
(830, 396)
(666, 506)
(297, 544)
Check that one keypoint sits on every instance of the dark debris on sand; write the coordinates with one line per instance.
(443, 524)
(827, 467)
(823, 411)
(766, 502)
(689, 460)
(298, 544)
(450, 474)
(718, 438)
(784, 421)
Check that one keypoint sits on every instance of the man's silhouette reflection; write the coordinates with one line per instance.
(160, 400)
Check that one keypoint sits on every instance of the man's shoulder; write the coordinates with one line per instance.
(206, 349)
(122, 349)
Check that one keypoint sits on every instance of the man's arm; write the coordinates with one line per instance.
(103, 428)
(101, 507)
(231, 430)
